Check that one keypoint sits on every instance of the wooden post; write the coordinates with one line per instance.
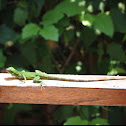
(101, 93)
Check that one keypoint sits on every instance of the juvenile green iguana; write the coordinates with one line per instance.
(38, 75)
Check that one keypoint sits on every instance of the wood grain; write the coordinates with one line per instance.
(58, 95)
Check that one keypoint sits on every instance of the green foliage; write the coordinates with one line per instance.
(51, 17)
(87, 112)
(71, 7)
(30, 30)
(66, 111)
(50, 32)
(10, 112)
(78, 121)
(103, 23)
(115, 116)
(119, 20)
(116, 52)
(99, 121)
(28, 54)
(2, 59)
(20, 16)
(89, 38)
(7, 34)
(66, 36)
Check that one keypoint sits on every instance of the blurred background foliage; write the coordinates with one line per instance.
(63, 36)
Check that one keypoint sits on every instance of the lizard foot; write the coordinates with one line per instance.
(41, 85)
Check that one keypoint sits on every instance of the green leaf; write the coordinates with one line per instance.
(62, 24)
(29, 52)
(99, 121)
(119, 20)
(87, 19)
(103, 66)
(9, 114)
(51, 17)
(100, 51)
(71, 7)
(124, 38)
(88, 36)
(45, 57)
(49, 33)
(20, 16)
(2, 59)
(30, 30)
(20, 61)
(66, 111)
(116, 116)
(37, 7)
(76, 121)
(18, 107)
(116, 52)
(87, 112)
(7, 34)
(103, 23)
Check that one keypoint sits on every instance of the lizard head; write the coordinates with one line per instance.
(11, 70)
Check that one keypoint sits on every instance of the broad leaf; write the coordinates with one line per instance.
(71, 7)
(99, 121)
(66, 111)
(20, 16)
(88, 111)
(103, 23)
(116, 52)
(30, 30)
(88, 36)
(51, 17)
(36, 7)
(49, 33)
(87, 20)
(7, 34)
(29, 52)
(76, 121)
(119, 20)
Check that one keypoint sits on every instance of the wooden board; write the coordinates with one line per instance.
(103, 93)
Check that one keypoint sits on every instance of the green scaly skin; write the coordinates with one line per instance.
(37, 75)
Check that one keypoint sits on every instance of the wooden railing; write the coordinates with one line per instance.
(101, 93)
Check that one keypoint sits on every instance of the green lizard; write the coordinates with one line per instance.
(37, 75)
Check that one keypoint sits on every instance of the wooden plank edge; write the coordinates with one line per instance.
(63, 96)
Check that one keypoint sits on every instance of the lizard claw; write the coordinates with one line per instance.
(41, 85)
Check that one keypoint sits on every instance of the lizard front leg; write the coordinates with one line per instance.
(37, 80)
(23, 76)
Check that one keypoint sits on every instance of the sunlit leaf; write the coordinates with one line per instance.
(104, 24)
(76, 121)
(49, 33)
(30, 30)
(99, 121)
(71, 7)
(51, 17)
(87, 20)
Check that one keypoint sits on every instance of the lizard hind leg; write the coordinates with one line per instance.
(37, 80)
